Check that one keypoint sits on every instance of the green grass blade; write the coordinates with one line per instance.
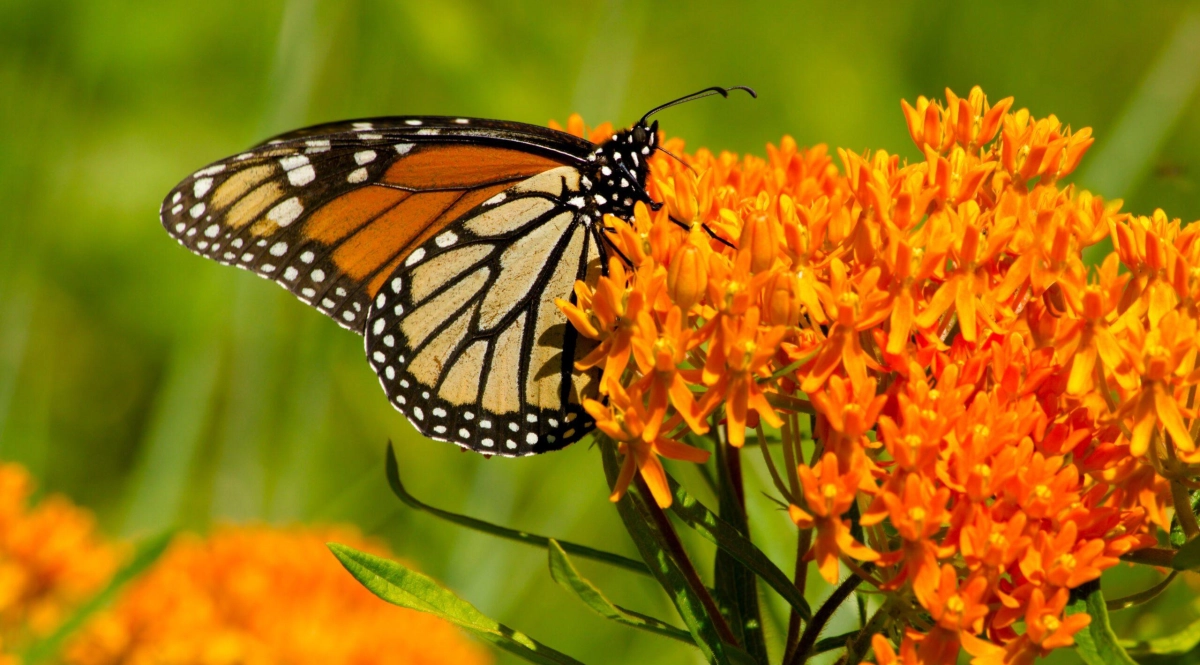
(1096, 644)
(145, 556)
(567, 576)
(393, 476)
(400, 586)
(723, 535)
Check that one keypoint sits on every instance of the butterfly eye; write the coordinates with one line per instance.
(639, 134)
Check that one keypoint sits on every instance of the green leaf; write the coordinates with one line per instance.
(650, 543)
(393, 476)
(1096, 644)
(737, 586)
(568, 577)
(400, 586)
(1180, 643)
(1188, 556)
(723, 535)
(145, 556)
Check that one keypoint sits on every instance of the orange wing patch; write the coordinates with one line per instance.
(381, 240)
(459, 166)
(349, 212)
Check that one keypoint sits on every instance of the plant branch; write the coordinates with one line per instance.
(681, 558)
(858, 646)
(822, 616)
(1140, 597)
(1151, 556)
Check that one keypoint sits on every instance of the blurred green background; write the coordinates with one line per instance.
(160, 389)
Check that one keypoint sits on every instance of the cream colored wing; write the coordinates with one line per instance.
(465, 336)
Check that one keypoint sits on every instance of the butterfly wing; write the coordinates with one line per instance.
(465, 336)
(328, 212)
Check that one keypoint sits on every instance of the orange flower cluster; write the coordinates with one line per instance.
(259, 595)
(1006, 420)
(51, 559)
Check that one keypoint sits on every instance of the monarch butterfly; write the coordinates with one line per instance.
(444, 241)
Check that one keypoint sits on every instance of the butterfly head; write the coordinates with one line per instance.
(619, 166)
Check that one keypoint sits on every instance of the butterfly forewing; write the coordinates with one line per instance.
(328, 212)
(464, 333)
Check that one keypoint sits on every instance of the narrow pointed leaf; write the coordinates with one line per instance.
(1180, 643)
(1096, 644)
(568, 577)
(145, 556)
(737, 586)
(723, 535)
(400, 586)
(393, 475)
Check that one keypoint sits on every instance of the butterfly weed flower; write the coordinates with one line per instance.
(998, 419)
(52, 559)
(256, 594)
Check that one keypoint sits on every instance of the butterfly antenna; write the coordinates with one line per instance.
(676, 158)
(699, 94)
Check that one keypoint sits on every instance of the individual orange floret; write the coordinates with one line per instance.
(624, 420)
(1164, 358)
(660, 350)
(971, 121)
(608, 315)
(738, 355)
(828, 494)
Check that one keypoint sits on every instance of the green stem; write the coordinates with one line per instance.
(681, 558)
(813, 630)
(1151, 556)
(393, 475)
(858, 647)
(1140, 597)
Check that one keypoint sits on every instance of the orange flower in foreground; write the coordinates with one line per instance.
(262, 595)
(51, 560)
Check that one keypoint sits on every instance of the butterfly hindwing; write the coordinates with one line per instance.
(464, 333)
(328, 211)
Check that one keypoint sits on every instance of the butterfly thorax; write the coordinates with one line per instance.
(614, 178)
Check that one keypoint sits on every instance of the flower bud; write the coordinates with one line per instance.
(687, 276)
(760, 237)
(781, 299)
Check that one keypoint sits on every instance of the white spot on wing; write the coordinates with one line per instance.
(317, 145)
(446, 239)
(286, 212)
(200, 188)
(318, 275)
(428, 132)
(196, 210)
(212, 170)
(291, 274)
(364, 157)
(302, 176)
(307, 257)
(289, 162)
(279, 249)
(403, 148)
(357, 175)
(414, 123)
(415, 258)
